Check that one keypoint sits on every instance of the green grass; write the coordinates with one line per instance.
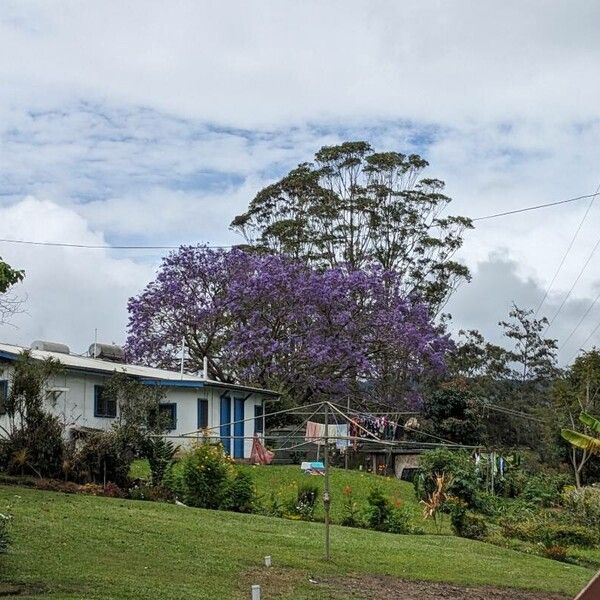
(84, 546)
(282, 480)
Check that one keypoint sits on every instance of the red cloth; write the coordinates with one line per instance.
(259, 454)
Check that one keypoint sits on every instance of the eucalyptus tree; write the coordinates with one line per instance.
(353, 206)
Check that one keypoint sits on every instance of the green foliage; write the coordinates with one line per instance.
(306, 500)
(4, 533)
(467, 524)
(356, 206)
(378, 510)
(160, 454)
(455, 464)
(452, 413)
(583, 504)
(206, 470)
(34, 437)
(240, 495)
(351, 513)
(8, 278)
(545, 489)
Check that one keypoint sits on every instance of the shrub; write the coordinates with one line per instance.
(545, 489)
(399, 521)
(455, 465)
(555, 552)
(240, 495)
(583, 504)
(569, 535)
(160, 454)
(468, 524)
(152, 493)
(306, 500)
(350, 516)
(205, 473)
(378, 511)
(4, 533)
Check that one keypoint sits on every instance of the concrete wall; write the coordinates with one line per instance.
(75, 407)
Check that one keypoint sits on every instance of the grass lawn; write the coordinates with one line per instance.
(83, 546)
(283, 479)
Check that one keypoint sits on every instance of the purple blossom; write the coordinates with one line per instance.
(270, 321)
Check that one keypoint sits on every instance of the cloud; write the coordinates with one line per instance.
(497, 284)
(142, 123)
(68, 291)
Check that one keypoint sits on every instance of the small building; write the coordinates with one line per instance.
(232, 413)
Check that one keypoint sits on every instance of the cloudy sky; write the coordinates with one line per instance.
(154, 123)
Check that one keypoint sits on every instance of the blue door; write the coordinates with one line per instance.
(226, 423)
(238, 428)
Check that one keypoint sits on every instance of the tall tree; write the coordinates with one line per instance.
(276, 322)
(354, 206)
(8, 277)
(578, 392)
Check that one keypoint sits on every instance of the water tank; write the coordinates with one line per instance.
(50, 347)
(107, 352)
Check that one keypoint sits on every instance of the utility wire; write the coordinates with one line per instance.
(568, 295)
(538, 206)
(566, 253)
(585, 314)
(589, 337)
(159, 247)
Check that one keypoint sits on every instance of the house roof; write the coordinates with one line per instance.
(148, 375)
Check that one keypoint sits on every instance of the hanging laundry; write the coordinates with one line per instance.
(259, 454)
(314, 432)
(341, 434)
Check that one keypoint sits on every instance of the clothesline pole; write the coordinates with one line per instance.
(326, 498)
(347, 447)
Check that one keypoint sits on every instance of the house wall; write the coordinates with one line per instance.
(75, 408)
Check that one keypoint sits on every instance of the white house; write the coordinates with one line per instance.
(230, 412)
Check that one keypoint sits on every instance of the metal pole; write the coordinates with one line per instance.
(326, 497)
(347, 445)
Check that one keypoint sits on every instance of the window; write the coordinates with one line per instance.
(104, 405)
(168, 412)
(258, 419)
(202, 413)
(3, 396)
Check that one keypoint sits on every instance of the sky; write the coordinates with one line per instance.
(155, 123)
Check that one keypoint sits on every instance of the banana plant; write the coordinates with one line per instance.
(581, 440)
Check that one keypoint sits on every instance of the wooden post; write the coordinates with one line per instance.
(326, 497)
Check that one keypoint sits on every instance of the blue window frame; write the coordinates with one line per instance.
(169, 410)
(202, 413)
(225, 427)
(238, 428)
(3, 395)
(258, 418)
(104, 405)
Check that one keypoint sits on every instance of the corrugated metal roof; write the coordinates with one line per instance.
(96, 365)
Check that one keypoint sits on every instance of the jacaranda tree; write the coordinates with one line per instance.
(276, 322)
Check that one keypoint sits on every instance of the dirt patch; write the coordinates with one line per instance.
(389, 588)
(282, 583)
(20, 589)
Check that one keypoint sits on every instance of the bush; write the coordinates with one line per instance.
(378, 511)
(468, 524)
(240, 495)
(152, 493)
(306, 500)
(583, 504)
(545, 489)
(206, 470)
(542, 530)
(455, 464)
(350, 516)
(4, 534)
(399, 521)
(160, 454)
(555, 552)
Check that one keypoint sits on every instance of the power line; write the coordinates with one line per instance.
(568, 295)
(566, 253)
(225, 247)
(538, 206)
(98, 246)
(585, 314)
(589, 337)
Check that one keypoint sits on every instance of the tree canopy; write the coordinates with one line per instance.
(8, 277)
(354, 206)
(276, 322)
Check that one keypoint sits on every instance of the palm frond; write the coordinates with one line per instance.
(581, 440)
(591, 422)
